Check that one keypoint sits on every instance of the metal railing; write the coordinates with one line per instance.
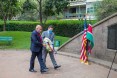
(79, 16)
(74, 16)
(77, 0)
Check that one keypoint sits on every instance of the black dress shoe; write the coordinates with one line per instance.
(57, 66)
(32, 70)
(44, 70)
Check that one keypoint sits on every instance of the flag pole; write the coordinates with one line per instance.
(87, 62)
(112, 64)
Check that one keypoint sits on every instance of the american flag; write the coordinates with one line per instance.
(83, 56)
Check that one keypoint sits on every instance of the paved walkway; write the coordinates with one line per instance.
(15, 64)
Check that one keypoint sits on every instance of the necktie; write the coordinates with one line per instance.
(40, 37)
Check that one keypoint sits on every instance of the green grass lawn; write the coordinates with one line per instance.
(21, 40)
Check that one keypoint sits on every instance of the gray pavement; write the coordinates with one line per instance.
(15, 64)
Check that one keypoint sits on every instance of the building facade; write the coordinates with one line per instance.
(77, 9)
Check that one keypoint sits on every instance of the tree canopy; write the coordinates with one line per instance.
(42, 8)
(8, 9)
(50, 8)
(106, 8)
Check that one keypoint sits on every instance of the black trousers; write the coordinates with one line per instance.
(39, 57)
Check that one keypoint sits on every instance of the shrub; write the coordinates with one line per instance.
(67, 28)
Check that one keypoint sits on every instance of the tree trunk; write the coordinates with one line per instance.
(45, 21)
(40, 11)
(4, 27)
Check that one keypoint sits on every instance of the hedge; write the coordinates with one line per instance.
(66, 28)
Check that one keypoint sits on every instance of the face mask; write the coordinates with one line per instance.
(50, 31)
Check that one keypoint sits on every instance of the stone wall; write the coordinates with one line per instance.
(100, 32)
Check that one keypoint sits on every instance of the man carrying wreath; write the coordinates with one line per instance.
(48, 49)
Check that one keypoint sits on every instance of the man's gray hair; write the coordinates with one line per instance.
(38, 26)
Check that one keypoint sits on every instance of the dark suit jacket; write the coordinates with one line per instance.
(36, 44)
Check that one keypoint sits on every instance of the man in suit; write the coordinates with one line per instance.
(36, 49)
(49, 34)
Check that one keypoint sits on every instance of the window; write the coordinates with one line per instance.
(72, 10)
(90, 10)
(72, 0)
(112, 37)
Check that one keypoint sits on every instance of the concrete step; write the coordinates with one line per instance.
(104, 63)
